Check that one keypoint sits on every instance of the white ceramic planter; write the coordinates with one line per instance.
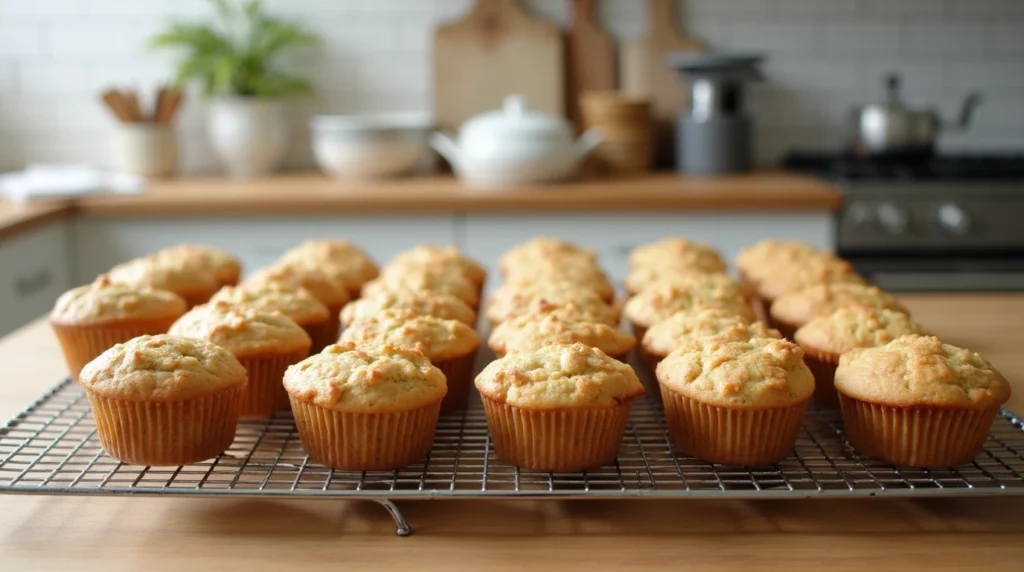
(250, 135)
(145, 149)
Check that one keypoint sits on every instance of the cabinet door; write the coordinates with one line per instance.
(613, 236)
(35, 272)
(101, 243)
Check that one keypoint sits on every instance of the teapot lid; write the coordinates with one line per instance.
(516, 119)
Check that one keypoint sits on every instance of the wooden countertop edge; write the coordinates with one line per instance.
(17, 219)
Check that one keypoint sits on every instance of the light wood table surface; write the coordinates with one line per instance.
(65, 533)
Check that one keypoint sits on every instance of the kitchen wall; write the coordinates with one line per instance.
(824, 56)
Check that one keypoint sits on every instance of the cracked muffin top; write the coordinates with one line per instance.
(802, 306)
(855, 327)
(224, 267)
(296, 303)
(533, 330)
(658, 303)
(164, 274)
(667, 335)
(243, 331)
(447, 257)
(444, 306)
(330, 291)
(641, 279)
(435, 338)
(676, 252)
(424, 280)
(339, 259)
(544, 248)
(103, 302)
(509, 301)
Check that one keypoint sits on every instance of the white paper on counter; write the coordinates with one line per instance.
(54, 181)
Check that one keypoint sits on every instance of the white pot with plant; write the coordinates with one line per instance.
(233, 60)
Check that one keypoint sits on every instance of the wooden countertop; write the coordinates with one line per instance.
(310, 193)
(179, 534)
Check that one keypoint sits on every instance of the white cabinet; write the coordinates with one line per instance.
(35, 270)
(100, 243)
(614, 235)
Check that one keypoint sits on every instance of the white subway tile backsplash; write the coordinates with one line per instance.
(985, 75)
(915, 76)
(775, 37)
(20, 37)
(101, 36)
(985, 9)
(823, 9)
(929, 38)
(861, 38)
(1005, 38)
(39, 7)
(916, 9)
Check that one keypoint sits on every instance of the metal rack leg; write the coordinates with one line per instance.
(402, 527)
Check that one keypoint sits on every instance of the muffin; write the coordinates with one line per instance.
(530, 331)
(443, 306)
(735, 402)
(194, 285)
(676, 252)
(641, 279)
(758, 260)
(425, 280)
(558, 408)
(668, 335)
(296, 303)
(331, 292)
(544, 248)
(339, 259)
(367, 408)
(825, 338)
(513, 300)
(222, 265)
(449, 344)
(90, 319)
(658, 303)
(793, 310)
(811, 272)
(917, 402)
(165, 400)
(265, 343)
(446, 257)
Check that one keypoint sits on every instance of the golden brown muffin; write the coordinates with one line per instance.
(825, 338)
(265, 343)
(425, 280)
(443, 306)
(793, 310)
(544, 248)
(221, 264)
(330, 291)
(919, 402)
(447, 257)
(668, 335)
(90, 319)
(810, 272)
(366, 408)
(658, 303)
(449, 344)
(567, 275)
(640, 279)
(339, 259)
(676, 252)
(194, 285)
(558, 408)
(530, 331)
(735, 402)
(758, 260)
(165, 400)
(509, 301)
(296, 303)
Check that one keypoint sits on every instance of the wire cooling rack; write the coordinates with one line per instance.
(51, 448)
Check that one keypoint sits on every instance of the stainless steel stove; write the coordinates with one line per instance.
(944, 223)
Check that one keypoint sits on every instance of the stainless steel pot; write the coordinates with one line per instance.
(892, 128)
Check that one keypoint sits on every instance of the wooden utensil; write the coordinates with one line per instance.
(497, 49)
(590, 58)
(116, 102)
(643, 70)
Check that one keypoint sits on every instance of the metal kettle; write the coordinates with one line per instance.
(892, 128)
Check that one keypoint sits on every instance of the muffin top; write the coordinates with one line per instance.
(340, 259)
(570, 275)
(330, 291)
(103, 301)
(449, 257)
(762, 258)
(533, 330)
(658, 303)
(163, 273)
(553, 377)
(665, 336)
(221, 263)
(921, 371)
(855, 327)
(783, 279)
(424, 280)
(543, 247)
(433, 337)
(725, 371)
(512, 301)
(243, 331)
(366, 379)
(296, 303)
(444, 306)
(641, 279)
(163, 367)
(676, 251)
(802, 306)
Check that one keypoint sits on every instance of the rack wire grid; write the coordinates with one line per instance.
(52, 448)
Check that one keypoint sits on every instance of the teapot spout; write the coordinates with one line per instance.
(447, 148)
(589, 141)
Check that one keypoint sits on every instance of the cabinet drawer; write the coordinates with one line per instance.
(35, 272)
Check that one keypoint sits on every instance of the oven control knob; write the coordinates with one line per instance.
(953, 219)
(894, 220)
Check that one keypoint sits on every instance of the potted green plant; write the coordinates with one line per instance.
(233, 60)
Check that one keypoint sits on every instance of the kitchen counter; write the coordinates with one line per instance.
(187, 534)
(311, 193)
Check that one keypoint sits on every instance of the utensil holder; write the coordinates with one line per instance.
(145, 149)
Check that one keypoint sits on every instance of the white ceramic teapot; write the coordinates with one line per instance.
(515, 146)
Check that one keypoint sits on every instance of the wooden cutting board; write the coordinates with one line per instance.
(497, 49)
(591, 58)
(643, 70)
